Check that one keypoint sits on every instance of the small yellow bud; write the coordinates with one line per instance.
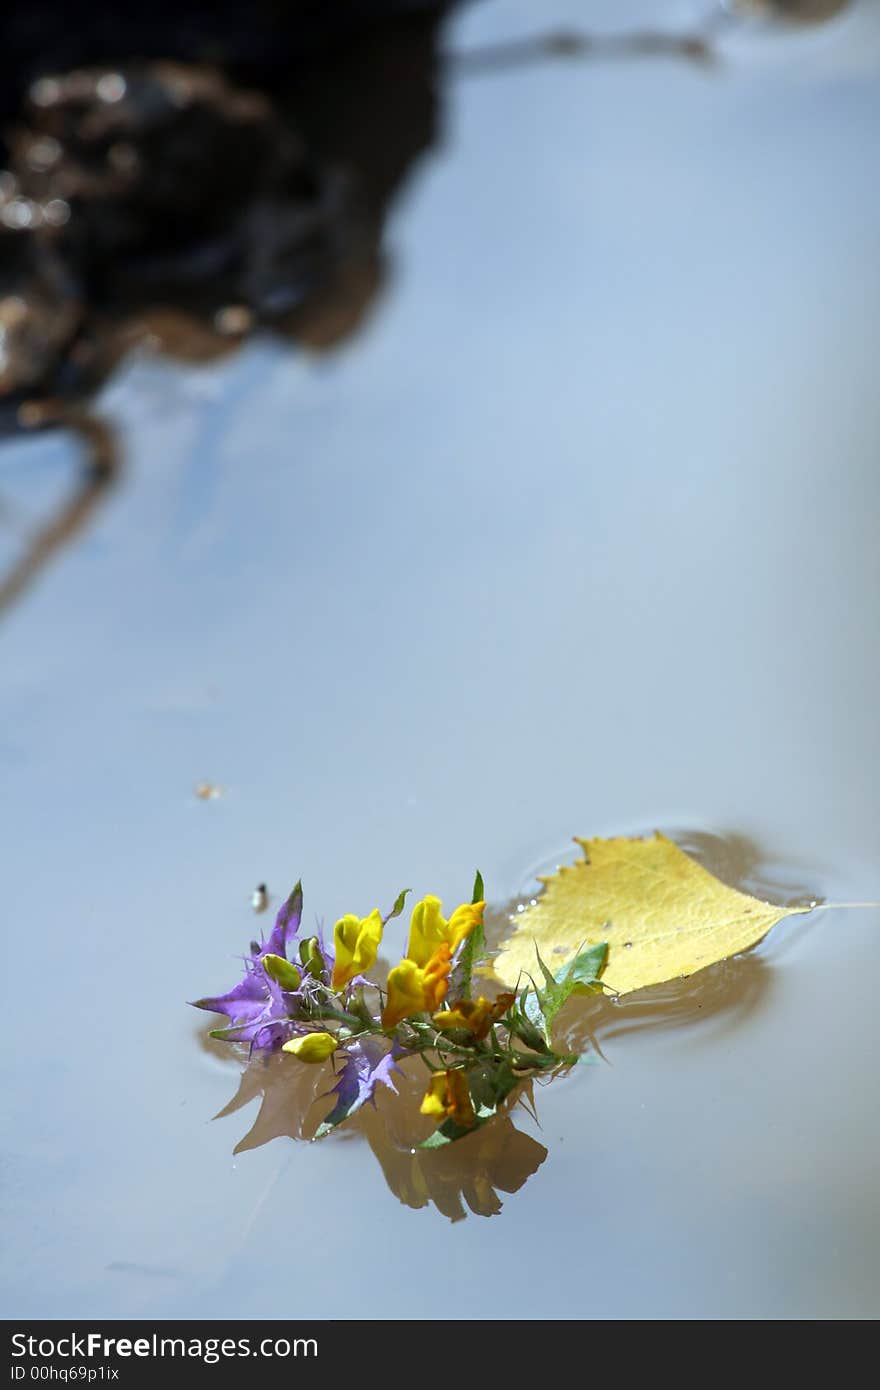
(312, 1047)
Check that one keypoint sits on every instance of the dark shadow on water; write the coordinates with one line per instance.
(500, 1157)
(174, 180)
(718, 999)
(182, 180)
(95, 475)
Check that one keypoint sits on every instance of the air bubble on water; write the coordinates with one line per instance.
(233, 320)
(56, 212)
(627, 945)
(43, 153)
(533, 902)
(123, 157)
(45, 91)
(18, 214)
(111, 87)
(520, 907)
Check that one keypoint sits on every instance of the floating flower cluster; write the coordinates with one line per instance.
(318, 1002)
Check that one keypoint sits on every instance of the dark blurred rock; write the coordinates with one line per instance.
(188, 177)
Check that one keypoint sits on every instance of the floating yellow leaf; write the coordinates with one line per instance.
(662, 914)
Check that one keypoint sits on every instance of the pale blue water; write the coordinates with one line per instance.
(577, 537)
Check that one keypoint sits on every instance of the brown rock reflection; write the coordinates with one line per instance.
(201, 185)
(176, 181)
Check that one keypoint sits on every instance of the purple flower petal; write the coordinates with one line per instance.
(258, 1009)
(246, 1000)
(286, 925)
(260, 1012)
(367, 1063)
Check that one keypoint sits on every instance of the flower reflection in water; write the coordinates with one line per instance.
(500, 1157)
(468, 1175)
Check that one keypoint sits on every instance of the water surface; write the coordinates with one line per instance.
(578, 536)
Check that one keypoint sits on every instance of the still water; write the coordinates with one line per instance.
(577, 535)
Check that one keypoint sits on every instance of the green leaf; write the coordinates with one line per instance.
(473, 949)
(472, 952)
(359, 1008)
(339, 1113)
(491, 1085)
(586, 968)
(399, 902)
(549, 978)
(579, 976)
(527, 1021)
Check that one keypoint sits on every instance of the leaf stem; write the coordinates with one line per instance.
(825, 907)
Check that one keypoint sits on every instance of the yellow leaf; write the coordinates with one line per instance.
(662, 914)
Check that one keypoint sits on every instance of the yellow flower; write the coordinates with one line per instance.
(356, 941)
(475, 1015)
(415, 989)
(448, 1098)
(312, 1047)
(429, 928)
